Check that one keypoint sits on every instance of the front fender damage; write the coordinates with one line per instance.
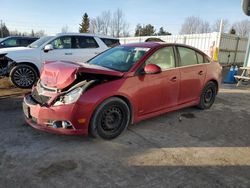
(6, 64)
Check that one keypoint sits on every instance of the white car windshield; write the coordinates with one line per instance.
(120, 58)
(40, 42)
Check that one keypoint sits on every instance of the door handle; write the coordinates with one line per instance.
(201, 73)
(173, 79)
(68, 53)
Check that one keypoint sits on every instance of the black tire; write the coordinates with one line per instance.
(110, 119)
(23, 76)
(208, 95)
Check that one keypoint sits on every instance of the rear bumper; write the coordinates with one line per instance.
(42, 118)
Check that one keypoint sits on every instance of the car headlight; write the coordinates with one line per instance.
(70, 97)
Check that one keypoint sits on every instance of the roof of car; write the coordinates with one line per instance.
(86, 34)
(21, 37)
(145, 44)
(158, 44)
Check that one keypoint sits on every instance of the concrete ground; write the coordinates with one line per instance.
(186, 148)
(7, 89)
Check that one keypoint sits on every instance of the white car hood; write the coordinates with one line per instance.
(23, 54)
(7, 50)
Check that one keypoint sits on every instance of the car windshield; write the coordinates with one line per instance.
(40, 42)
(120, 58)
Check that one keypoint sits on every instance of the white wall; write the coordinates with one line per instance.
(226, 43)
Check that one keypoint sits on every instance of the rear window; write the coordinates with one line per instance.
(187, 56)
(24, 42)
(110, 42)
(200, 58)
(206, 59)
(85, 42)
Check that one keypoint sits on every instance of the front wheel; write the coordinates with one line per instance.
(110, 118)
(23, 76)
(208, 95)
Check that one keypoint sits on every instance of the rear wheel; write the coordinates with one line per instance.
(23, 76)
(110, 119)
(208, 95)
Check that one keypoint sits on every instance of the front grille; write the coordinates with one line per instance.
(29, 99)
(41, 99)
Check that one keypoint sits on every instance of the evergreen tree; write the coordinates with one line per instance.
(232, 31)
(138, 30)
(84, 26)
(163, 32)
(4, 32)
(32, 33)
(147, 30)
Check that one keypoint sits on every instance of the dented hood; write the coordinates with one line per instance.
(60, 74)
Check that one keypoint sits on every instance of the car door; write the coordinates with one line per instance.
(159, 91)
(192, 75)
(85, 48)
(62, 50)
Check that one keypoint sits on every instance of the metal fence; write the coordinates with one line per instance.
(232, 48)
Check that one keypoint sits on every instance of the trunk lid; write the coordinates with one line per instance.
(60, 74)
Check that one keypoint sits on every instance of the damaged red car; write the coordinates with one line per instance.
(121, 86)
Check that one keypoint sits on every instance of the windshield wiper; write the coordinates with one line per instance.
(111, 68)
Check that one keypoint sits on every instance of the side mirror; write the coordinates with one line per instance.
(48, 47)
(246, 7)
(152, 69)
(2, 44)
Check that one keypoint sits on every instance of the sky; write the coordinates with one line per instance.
(52, 15)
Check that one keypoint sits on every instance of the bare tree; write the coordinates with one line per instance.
(190, 25)
(106, 22)
(92, 25)
(193, 25)
(96, 25)
(40, 33)
(242, 28)
(118, 23)
(125, 31)
(65, 29)
(204, 27)
(225, 25)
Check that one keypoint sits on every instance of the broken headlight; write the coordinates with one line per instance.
(69, 97)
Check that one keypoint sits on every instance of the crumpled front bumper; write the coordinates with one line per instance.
(42, 117)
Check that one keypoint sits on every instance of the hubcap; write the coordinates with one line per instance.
(111, 119)
(208, 95)
(24, 77)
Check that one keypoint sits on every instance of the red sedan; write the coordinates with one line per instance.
(121, 86)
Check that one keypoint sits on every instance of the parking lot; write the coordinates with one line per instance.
(186, 148)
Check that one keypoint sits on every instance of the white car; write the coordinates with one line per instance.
(23, 64)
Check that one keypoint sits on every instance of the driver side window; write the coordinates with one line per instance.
(11, 42)
(62, 43)
(164, 58)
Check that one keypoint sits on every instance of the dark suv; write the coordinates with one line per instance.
(16, 41)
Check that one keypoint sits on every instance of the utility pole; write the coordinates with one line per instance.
(246, 9)
(1, 28)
